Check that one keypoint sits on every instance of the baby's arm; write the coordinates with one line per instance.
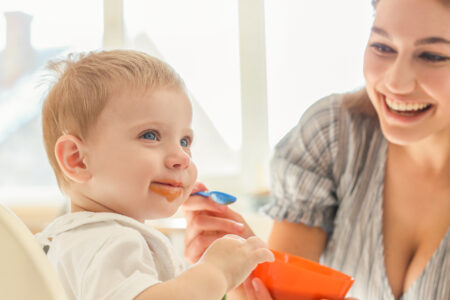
(225, 264)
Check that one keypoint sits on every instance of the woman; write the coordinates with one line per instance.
(363, 181)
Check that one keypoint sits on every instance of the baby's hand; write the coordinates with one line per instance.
(236, 257)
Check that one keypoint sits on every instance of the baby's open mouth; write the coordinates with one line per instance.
(407, 108)
(168, 189)
(175, 184)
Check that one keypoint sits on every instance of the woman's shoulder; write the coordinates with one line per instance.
(340, 114)
(326, 108)
(329, 131)
(353, 105)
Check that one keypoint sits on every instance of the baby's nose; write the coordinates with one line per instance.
(178, 160)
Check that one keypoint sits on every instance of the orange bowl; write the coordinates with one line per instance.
(291, 277)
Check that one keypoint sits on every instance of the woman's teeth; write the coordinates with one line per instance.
(406, 107)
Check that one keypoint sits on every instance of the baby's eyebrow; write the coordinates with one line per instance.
(144, 124)
(190, 133)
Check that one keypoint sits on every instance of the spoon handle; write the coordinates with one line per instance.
(218, 197)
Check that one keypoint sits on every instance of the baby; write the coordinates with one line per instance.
(117, 131)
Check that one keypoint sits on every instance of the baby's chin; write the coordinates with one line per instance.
(169, 211)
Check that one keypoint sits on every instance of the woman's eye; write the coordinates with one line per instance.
(433, 57)
(150, 135)
(185, 142)
(381, 48)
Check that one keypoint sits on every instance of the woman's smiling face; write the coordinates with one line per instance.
(407, 69)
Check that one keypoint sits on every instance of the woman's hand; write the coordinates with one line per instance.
(251, 289)
(256, 290)
(208, 221)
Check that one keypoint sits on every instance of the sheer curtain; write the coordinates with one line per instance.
(308, 48)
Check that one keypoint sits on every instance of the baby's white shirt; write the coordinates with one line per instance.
(107, 256)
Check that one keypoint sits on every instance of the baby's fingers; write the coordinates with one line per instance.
(195, 248)
(261, 252)
(256, 242)
(263, 255)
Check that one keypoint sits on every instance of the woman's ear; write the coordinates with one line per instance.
(71, 155)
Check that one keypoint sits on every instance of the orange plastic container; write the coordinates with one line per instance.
(291, 277)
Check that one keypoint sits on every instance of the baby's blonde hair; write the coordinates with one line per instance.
(84, 82)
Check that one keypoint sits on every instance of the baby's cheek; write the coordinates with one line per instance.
(190, 188)
(193, 173)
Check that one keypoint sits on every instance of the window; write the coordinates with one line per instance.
(33, 33)
(314, 48)
(200, 40)
(252, 68)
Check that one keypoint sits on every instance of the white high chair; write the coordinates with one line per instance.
(25, 271)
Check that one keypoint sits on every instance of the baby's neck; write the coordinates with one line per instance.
(82, 203)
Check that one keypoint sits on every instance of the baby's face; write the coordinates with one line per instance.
(139, 154)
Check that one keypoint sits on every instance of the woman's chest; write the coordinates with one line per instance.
(387, 233)
(416, 217)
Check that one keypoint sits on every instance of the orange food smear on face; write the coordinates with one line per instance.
(168, 192)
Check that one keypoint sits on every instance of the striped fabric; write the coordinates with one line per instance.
(328, 171)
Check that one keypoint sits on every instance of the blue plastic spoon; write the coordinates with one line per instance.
(218, 197)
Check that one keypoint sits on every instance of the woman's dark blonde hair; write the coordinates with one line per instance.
(83, 84)
(445, 2)
(358, 102)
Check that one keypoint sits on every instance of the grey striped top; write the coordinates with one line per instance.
(328, 171)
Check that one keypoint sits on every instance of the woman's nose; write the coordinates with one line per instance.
(400, 77)
(178, 159)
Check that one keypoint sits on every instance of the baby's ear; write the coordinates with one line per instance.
(71, 155)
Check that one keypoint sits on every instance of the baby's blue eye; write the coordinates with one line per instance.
(150, 135)
(184, 142)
